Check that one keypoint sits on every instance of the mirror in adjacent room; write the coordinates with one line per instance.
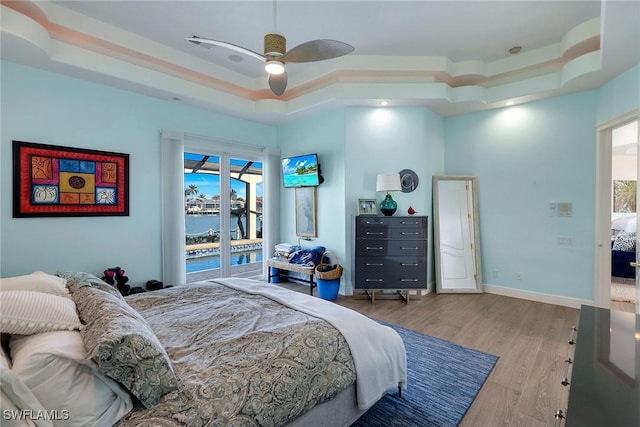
(456, 234)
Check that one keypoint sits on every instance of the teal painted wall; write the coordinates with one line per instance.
(619, 96)
(49, 108)
(526, 157)
(383, 140)
(322, 134)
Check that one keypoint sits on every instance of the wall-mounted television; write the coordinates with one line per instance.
(301, 171)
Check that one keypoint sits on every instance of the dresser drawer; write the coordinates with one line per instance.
(391, 279)
(408, 233)
(377, 247)
(380, 264)
(410, 222)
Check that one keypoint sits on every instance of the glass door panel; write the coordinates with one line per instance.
(202, 212)
(245, 217)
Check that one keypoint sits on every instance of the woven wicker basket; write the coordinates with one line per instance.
(336, 273)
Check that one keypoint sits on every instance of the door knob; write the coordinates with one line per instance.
(634, 264)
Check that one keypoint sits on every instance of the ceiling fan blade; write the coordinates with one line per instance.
(317, 50)
(278, 83)
(236, 48)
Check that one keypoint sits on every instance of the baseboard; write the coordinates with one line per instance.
(536, 296)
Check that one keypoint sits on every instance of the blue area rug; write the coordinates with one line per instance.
(443, 380)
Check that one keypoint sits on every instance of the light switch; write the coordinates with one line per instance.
(565, 209)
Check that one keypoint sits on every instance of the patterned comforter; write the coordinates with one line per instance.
(240, 359)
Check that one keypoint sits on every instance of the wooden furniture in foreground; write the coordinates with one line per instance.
(603, 386)
(390, 254)
(279, 268)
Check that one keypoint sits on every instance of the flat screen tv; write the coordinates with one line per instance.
(301, 171)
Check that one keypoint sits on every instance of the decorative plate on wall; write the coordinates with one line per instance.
(408, 180)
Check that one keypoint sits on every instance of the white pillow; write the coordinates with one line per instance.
(56, 368)
(37, 281)
(16, 397)
(29, 312)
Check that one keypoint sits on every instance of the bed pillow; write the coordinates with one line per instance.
(37, 281)
(123, 345)
(55, 367)
(80, 279)
(625, 241)
(29, 312)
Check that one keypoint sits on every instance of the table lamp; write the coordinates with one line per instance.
(388, 182)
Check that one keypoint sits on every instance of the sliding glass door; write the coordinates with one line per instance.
(223, 215)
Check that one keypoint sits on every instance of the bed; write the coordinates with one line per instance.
(234, 352)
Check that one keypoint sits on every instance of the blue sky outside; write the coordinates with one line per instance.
(209, 183)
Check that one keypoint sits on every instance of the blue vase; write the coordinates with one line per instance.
(388, 206)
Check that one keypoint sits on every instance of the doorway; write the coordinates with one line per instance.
(616, 280)
(624, 176)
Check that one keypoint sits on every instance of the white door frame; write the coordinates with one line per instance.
(602, 264)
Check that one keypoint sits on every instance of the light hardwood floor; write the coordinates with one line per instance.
(529, 337)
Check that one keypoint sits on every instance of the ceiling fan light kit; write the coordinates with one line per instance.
(274, 67)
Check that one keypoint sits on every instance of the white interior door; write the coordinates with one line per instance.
(457, 262)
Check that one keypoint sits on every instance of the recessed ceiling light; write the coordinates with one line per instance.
(236, 58)
(510, 103)
(384, 103)
(515, 49)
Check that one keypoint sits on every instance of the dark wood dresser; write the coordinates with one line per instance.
(391, 254)
(604, 385)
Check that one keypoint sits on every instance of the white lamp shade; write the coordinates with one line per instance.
(388, 182)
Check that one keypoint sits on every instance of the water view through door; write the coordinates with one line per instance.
(223, 216)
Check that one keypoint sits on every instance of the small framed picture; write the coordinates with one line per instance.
(367, 207)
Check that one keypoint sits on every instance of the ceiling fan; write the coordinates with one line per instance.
(276, 55)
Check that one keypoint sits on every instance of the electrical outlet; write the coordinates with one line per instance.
(565, 241)
(518, 276)
(496, 274)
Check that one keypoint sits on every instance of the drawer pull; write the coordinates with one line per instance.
(374, 248)
(373, 280)
(379, 233)
(374, 222)
(409, 248)
(572, 338)
(565, 380)
(415, 233)
(408, 280)
(374, 264)
(415, 264)
(410, 222)
(559, 416)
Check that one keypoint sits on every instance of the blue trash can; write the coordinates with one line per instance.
(328, 289)
(328, 277)
(274, 275)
